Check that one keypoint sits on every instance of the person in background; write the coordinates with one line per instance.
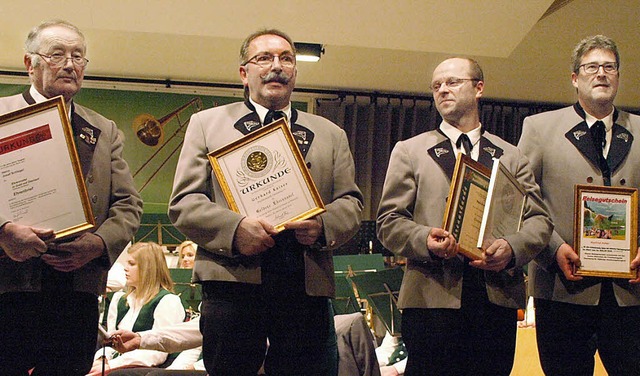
(49, 291)
(258, 283)
(187, 254)
(148, 303)
(458, 316)
(591, 142)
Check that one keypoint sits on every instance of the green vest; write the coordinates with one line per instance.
(145, 317)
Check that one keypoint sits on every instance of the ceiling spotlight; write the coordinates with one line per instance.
(308, 51)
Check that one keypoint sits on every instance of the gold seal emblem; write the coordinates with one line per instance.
(257, 161)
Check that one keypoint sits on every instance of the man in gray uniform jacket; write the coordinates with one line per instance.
(459, 316)
(48, 291)
(258, 284)
(574, 315)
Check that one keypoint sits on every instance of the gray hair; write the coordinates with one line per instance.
(32, 44)
(244, 50)
(594, 42)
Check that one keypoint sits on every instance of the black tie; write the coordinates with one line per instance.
(466, 144)
(598, 133)
(273, 116)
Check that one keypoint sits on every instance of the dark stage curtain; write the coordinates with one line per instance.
(374, 124)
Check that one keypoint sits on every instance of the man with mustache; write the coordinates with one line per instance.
(259, 284)
(590, 142)
(49, 291)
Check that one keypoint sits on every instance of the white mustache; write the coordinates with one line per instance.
(280, 77)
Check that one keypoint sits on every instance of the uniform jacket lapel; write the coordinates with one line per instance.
(488, 151)
(251, 121)
(580, 137)
(444, 155)
(86, 138)
(303, 135)
(621, 141)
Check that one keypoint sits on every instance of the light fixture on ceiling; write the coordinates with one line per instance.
(308, 51)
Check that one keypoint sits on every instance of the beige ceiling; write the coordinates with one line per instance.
(384, 46)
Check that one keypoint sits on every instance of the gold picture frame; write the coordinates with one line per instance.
(605, 230)
(465, 204)
(264, 175)
(35, 191)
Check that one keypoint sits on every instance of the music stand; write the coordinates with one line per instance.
(190, 293)
(362, 263)
(345, 301)
(381, 290)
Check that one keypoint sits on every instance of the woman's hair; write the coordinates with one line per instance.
(182, 246)
(153, 273)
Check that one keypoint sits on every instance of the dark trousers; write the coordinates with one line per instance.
(53, 332)
(477, 339)
(238, 318)
(568, 336)
(149, 371)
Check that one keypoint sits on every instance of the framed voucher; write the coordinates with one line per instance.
(42, 184)
(606, 230)
(507, 199)
(465, 204)
(263, 175)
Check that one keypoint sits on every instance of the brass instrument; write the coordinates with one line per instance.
(151, 130)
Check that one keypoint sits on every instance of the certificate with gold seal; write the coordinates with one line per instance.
(263, 175)
(42, 184)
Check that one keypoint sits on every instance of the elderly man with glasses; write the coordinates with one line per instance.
(49, 291)
(458, 316)
(591, 142)
(259, 284)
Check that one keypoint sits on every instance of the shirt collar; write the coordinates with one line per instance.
(453, 133)
(262, 111)
(607, 120)
(39, 98)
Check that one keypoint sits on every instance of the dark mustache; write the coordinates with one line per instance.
(280, 77)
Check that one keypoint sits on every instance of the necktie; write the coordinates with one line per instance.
(273, 116)
(598, 133)
(466, 144)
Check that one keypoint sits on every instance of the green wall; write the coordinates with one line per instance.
(122, 106)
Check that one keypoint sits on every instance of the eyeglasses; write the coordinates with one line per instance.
(58, 60)
(264, 60)
(451, 83)
(591, 68)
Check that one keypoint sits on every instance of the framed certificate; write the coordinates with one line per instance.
(42, 184)
(606, 230)
(263, 175)
(465, 204)
(506, 202)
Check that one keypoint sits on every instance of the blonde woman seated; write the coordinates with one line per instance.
(187, 254)
(147, 303)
